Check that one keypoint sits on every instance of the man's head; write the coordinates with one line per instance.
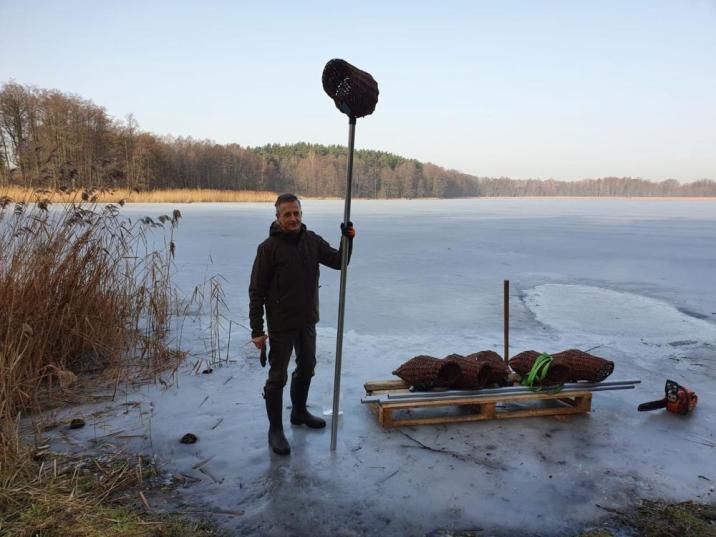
(288, 213)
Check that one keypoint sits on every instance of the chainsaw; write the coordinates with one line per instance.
(678, 399)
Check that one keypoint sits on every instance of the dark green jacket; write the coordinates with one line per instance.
(284, 279)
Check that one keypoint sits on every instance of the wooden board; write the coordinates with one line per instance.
(399, 413)
(384, 385)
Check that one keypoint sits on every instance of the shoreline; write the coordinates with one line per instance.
(123, 196)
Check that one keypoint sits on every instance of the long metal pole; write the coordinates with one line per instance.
(382, 399)
(506, 307)
(508, 389)
(342, 296)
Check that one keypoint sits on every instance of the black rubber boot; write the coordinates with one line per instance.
(274, 408)
(299, 414)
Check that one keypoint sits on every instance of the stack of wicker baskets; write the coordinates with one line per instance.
(470, 372)
(487, 368)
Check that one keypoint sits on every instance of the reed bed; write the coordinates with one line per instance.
(81, 291)
(84, 294)
(199, 195)
(122, 196)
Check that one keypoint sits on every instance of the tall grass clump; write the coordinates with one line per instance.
(80, 290)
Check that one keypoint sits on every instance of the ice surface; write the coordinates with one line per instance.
(599, 311)
(632, 279)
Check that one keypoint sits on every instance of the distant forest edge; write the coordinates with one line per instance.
(50, 139)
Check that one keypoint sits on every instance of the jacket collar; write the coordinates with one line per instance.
(276, 231)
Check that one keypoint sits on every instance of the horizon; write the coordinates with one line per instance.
(555, 91)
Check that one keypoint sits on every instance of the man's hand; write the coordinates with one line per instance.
(260, 341)
(347, 230)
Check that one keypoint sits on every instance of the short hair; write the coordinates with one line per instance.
(286, 198)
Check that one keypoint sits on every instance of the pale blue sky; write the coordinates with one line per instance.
(517, 88)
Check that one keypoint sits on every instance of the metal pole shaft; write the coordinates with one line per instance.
(506, 395)
(509, 389)
(507, 318)
(342, 296)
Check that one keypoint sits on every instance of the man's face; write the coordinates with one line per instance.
(289, 216)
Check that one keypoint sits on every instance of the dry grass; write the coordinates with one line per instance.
(81, 291)
(121, 196)
(200, 195)
(659, 519)
(61, 496)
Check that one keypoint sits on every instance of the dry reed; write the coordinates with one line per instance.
(121, 196)
(80, 291)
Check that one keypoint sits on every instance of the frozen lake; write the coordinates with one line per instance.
(633, 278)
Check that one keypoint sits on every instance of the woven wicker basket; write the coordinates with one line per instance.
(473, 375)
(453, 371)
(584, 366)
(558, 372)
(447, 374)
(499, 371)
(353, 91)
(424, 372)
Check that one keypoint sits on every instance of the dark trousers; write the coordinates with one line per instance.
(281, 345)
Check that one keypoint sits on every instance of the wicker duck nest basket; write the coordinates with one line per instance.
(473, 374)
(571, 365)
(353, 91)
(425, 372)
(470, 372)
(557, 373)
(499, 371)
(584, 366)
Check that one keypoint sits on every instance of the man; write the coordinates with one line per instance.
(284, 281)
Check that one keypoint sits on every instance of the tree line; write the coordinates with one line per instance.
(50, 139)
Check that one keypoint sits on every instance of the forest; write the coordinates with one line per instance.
(54, 140)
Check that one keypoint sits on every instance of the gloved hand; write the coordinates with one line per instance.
(347, 230)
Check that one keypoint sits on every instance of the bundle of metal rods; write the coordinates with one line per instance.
(491, 392)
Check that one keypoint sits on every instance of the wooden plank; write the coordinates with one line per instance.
(489, 410)
(533, 412)
(582, 402)
(508, 397)
(388, 419)
(382, 385)
(585, 403)
(389, 413)
(403, 422)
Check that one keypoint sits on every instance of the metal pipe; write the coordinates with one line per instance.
(380, 399)
(342, 293)
(506, 291)
(508, 389)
